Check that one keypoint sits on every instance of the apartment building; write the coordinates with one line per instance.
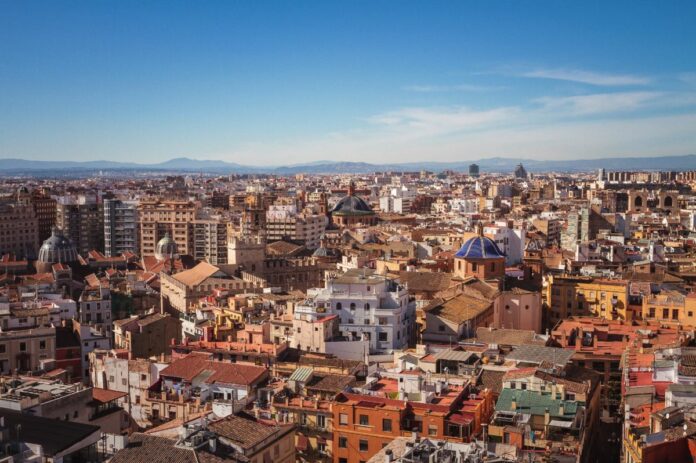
(19, 226)
(370, 308)
(569, 296)
(121, 227)
(82, 220)
(210, 234)
(285, 221)
(159, 217)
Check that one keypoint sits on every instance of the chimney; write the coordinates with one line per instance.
(212, 444)
(388, 456)
(513, 404)
(547, 417)
(561, 409)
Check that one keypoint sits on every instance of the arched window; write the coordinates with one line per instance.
(367, 306)
(352, 306)
(638, 201)
(339, 306)
(668, 201)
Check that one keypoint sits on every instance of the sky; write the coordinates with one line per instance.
(287, 82)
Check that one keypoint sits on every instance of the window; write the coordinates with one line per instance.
(342, 460)
(352, 306)
(364, 420)
(342, 442)
(675, 314)
(2, 348)
(383, 337)
(123, 381)
(111, 378)
(339, 306)
(474, 267)
(321, 421)
(432, 430)
(22, 346)
(651, 312)
(386, 425)
(343, 419)
(441, 328)
(492, 266)
(363, 445)
(665, 313)
(42, 345)
(367, 306)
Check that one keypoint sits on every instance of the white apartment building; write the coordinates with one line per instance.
(398, 200)
(464, 205)
(210, 236)
(371, 308)
(510, 240)
(95, 309)
(285, 221)
(121, 227)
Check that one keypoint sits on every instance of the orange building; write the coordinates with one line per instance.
(363, 424)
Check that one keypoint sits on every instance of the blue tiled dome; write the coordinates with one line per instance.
(480, 247)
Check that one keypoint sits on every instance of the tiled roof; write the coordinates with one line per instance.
(197, 274)
(492, 379)
(332, 383)
(106, 395)
(459, 308)
(534, 403)
(506, 336)
(194, 364)
(480, 247)
(426, 281)
(151, 449)
(538, 354)
(245, 431)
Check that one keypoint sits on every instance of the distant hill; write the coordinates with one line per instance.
(493, 164)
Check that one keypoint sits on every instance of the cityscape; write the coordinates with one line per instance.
(256, 233)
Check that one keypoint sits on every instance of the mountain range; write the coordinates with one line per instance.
(494, 164)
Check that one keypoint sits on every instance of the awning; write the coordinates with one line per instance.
(561, 424)
(302, 443)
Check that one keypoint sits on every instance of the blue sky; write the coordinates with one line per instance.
(288, 82)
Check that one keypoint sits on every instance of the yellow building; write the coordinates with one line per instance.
(670, 307)
(569, 296)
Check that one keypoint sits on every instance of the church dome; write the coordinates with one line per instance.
(166, 247)
(57, 249)
(480, 247)
(352, 205)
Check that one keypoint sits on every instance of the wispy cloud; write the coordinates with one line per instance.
(451, 88)
(587, 77)
(581, 105)
(688, 77)
(440, 120)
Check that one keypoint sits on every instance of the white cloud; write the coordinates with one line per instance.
(439, 120)
(688, 77)
(587, 77)
(599, 103)
(451, 88)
